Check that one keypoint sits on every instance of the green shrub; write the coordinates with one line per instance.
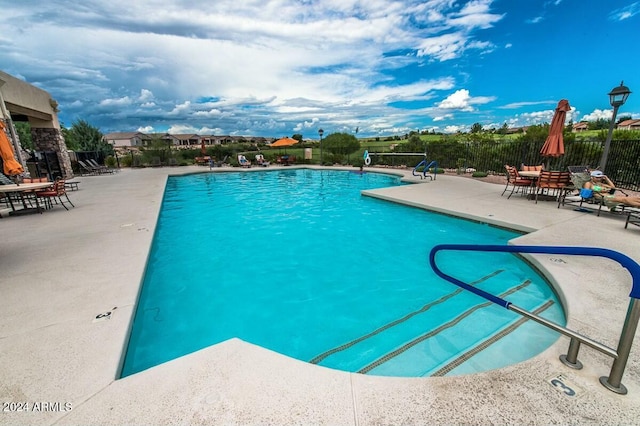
(479, 174)
(125, 161)
(110, 161)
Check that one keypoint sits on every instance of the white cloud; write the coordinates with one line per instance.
(145, 96)
(626, 12)
(457, 100)
(145, 129)
(598, 114)
(462, 101)
(443, 117)
(124, 101)
(454, 129)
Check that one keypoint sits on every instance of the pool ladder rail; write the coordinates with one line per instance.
(425, 172)
(620, 355)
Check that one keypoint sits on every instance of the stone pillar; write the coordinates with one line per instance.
(51, 139)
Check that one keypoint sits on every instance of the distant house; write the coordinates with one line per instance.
(629, 125)
(580, 127)
(514, 130)
(126, 139)
(170, 139)
(186, 140)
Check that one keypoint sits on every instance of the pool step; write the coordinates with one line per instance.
(413, 346)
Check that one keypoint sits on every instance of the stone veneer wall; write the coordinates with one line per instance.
(50, 139)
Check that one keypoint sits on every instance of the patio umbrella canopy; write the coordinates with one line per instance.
(554, 145)
(11, 166)
(284, 142)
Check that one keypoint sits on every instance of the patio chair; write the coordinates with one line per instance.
(526, 168)
(552, 182)
(514, 179)
(55, 193)
(242, 160)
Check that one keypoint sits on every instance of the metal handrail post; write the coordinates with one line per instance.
(613, 382)
(571, 358)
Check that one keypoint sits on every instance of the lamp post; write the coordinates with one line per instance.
(115, 153)
(321, 132)
(617, 97)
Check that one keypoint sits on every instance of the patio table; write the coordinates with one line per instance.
(20, 190)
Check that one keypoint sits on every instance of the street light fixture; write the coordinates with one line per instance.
(321, 132)
(617, 97)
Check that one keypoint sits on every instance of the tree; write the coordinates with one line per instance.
(415, 144)
(624, 118)
(69, 139)
(341, 144)
(297, 137)
(504, 129)
(23, 129)
(88, 137)
(476, 128)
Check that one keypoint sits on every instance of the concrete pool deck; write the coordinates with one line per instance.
(60, 270)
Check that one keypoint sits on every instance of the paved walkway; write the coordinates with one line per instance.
(59, 270)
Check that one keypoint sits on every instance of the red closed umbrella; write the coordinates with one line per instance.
(554, 145)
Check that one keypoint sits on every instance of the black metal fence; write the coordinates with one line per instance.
(623, 165)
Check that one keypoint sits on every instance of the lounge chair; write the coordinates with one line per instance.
(261, 161)
(514, 179)
(573, 193)
(242, 160)
(86, 169)
(101, 169)
(633, 217)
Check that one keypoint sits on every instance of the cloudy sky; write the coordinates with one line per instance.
(280, 67)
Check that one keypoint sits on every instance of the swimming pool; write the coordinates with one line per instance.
(297, 261)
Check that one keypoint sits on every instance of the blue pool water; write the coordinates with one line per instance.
(299, 262)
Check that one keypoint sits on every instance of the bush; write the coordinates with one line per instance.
(125, 161)
(479, 174)
(110, 161)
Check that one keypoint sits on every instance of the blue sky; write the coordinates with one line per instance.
(276, 68)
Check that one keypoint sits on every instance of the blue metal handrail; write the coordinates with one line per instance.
(433, 164)
(621, 355)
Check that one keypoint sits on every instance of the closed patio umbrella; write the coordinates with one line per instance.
(11, 166)
(554, 145)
